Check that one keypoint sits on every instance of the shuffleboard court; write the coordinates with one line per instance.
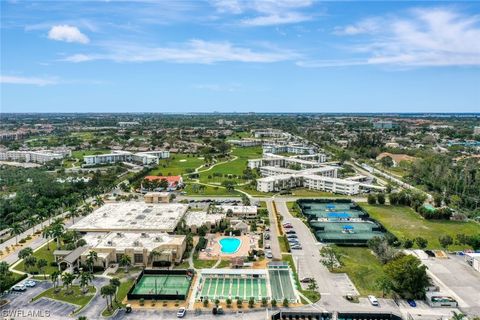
(244, 288)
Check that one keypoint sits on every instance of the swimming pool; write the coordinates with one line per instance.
(229, 245)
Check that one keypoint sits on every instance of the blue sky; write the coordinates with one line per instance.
(240, 56)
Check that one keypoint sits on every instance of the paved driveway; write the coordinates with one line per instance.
(94, 309)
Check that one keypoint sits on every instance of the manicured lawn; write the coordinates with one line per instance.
(224, 264)
(234, 167)
(209, 191)
(183, 265)
(282, 241)
(77, 297)
(312, 295)
(406, 223)
(125, 285)
(177, 164)
(203, 264)
(79, 154)
(41, 253)
(255, 193)
(302, 192)
(362, 267)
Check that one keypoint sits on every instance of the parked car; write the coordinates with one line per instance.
(292, 236)
(288, 226)
(269, 255)
(292, 240)
(19, 287)
(306, 280)
(412, 303)
(267, 246)
(290, 232)
(373, 300)
(181, 312)
(30, 283)
(296, 247)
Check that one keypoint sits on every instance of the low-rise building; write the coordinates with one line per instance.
(243, 212)
(37, 156)
(144, 249)
(275, 148)
(246, 142)
(157, 197)
(144, 158)
(196, 219)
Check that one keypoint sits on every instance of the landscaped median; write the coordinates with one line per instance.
(125, 285)
(73, 295)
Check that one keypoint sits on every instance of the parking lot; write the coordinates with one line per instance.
(20, 306)
(454, 276)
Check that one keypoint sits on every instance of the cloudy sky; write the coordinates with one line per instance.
(232, 55)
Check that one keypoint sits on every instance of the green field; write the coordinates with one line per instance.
(203, 264)
(77, 297)
(177, 164)
(209, 191)
(362, 267)
(41, 253)
(234, 167)
(404, 222)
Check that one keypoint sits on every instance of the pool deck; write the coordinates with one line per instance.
(213, 249)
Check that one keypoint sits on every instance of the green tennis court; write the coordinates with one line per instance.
(281, 283)
(157, 284)
(244, 288)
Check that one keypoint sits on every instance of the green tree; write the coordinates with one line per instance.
(15, 230)
(285, 303)
(116, 283)
(371, 199)
(54, 277)
(457, 316)
(30, 262)
(251, 302)
(273, 303)
(67, 279)
(125, 261)
(84, 279)
(381, 198)
(25, 252)
(205, 302)
(445, 241)
(330, 257)
(92, 257)
(41, 264)
(407, 243)
(422, 243)
(107, 292)
(408, 276)
(386, 162)
(383, 283)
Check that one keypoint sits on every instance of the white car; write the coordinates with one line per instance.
(181, 312)
(19, 287)
(30, 283)
(373, 300)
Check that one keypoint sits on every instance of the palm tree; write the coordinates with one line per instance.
(85, 279)
(15, 230)
(107, 292)
(98, 201)
(47, 233)
(116, 283)
(57, 228)
(91, 258)
(67, 279)
(30, 262)
(54, 277)
(125, 261)
(32, 222)
(457, 316)
(73, 213)
(41, 264)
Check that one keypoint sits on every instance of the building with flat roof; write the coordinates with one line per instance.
(144, 158)
(244, 212)
(246, 142)
(36, 156)
(133, 216)
(196, 219)
(276, 160)
(139, 246)
(288, 148)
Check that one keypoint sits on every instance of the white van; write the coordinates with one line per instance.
(373, 300)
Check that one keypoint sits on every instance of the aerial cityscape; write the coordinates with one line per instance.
(240, 159)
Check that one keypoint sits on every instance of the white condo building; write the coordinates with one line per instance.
(145, 158)
(39, 156)
(288, 148)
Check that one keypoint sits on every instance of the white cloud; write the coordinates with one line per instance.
(27, 80)
(68, 34)
(193, 51)
(425, 37)
(265, 12)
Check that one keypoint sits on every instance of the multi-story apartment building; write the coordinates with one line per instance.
(37, 156)
(145, 158)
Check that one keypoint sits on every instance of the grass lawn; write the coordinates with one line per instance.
(404, 222)
(362, 267)
(203, 264)
(224, 264)
(289, 259)
(312, 295)
(234, 167)
(255, 193)
(41, 253)
(125, 286)
(77, 297)
(177, 164)
(79, 154)
(183, 265)
(302, 192)
(282, 241)
(209, 191)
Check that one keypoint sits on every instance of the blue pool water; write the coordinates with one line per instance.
(230, 245)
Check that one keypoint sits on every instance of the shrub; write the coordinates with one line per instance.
(205, 302)
(273, 303)
(285, 303)
(142, 301)
(251, 302)
(239, 303)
